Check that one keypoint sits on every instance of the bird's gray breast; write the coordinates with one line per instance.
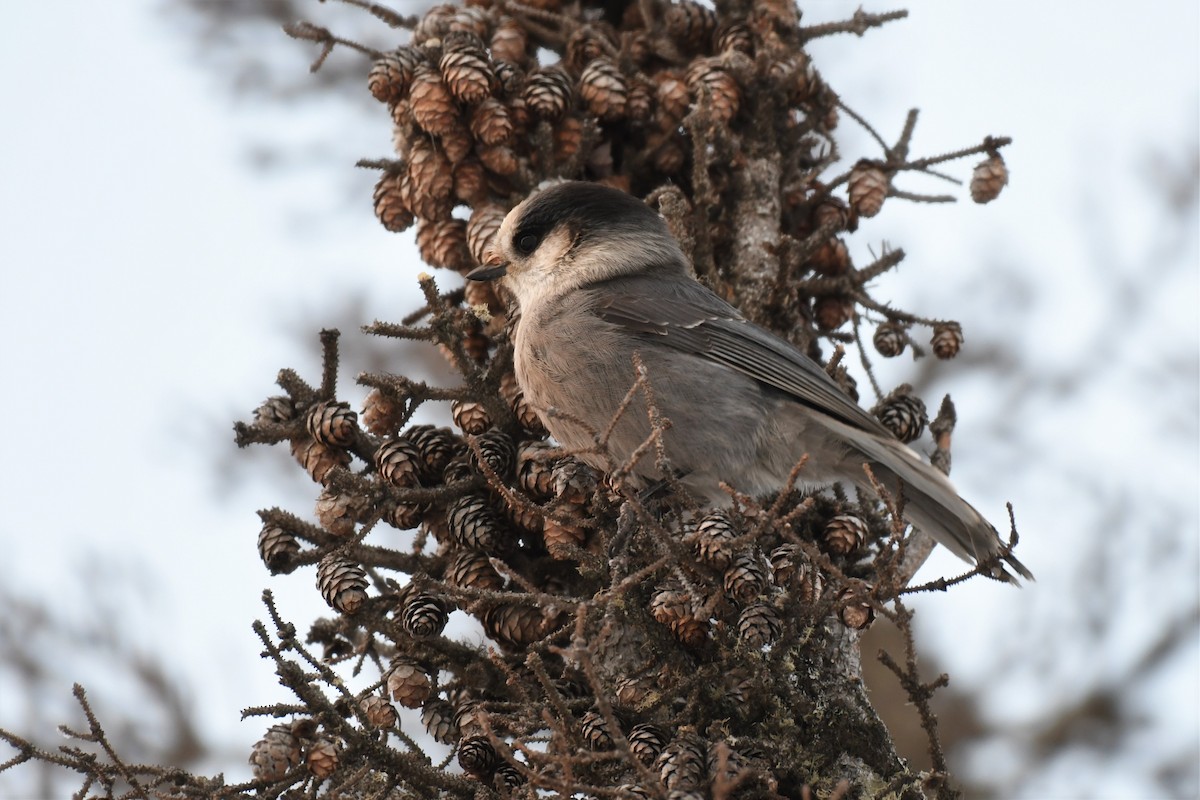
(577, 369)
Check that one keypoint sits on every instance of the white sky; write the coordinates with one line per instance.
(155, 283)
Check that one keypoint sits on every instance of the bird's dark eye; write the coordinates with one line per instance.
(527, 243)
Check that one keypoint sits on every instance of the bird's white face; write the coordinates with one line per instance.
(575, 234)
(535, 267)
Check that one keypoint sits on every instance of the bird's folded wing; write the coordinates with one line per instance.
(692, 319)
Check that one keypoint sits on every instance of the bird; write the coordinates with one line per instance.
(599, 283)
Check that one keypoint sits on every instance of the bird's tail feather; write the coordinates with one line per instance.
(933, 505)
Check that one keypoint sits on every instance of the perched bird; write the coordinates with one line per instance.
(597, 278)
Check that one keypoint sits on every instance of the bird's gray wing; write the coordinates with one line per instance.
(686, 316)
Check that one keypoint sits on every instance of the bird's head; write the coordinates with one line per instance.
(574, 234)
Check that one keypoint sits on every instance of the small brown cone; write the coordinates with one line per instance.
(989, 178)
(691, 24)
(465, 68)
(759, 625)
(510, 42)
(322, 758)
(443, 243)
(707, 76)
(548, 93)
(477, 757)
(277, 548)
(854, 608)
(890, 339)
(676, 609)
(342, 583)
(430, 181)
(407, 683)
(746, 576)
(399, 462)
(482, 228)
(338, 512)
(431, 103)
(438, 718)
(868, 187)
(490, 123)
(332, 424)
(947, 339)
(275, 754)
(902, 413)
(423, 615)
(845, 534)
(474, 525)
(378, 711)
(392, 73)
(317, 459)
(470, 416)
(832, 311)
(472, 569)
(604, 90)
(390, 206)
(518, 626)
(382, 412)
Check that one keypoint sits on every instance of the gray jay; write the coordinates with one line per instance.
(597, 277)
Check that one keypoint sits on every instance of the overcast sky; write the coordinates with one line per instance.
(155, 281)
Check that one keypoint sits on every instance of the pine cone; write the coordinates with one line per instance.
(692, 25)
(832, 311)
(746, 576)
(322, 758)
(713, 538)
(845, 534)
(548, 93)
(392, 73)
(868, 187)
(342, 583)
(332, 424)
(676, 609)
(275, 411)
(647, 741)
(595, 731)
(477, 757)
(437, 447)
(474, 525)
(407, 683)
(424, 616)
(389, 201)
(791, 570)
(431, 103)
(947, 339)
(470, 416)
(708, 76)
(890, 339)
(497, 450)
(482, 228)
(759, 625)
(274, 754)
(378, 711)
(902, 413)
(399, 462)
(443, 243)
(989, 177)
(473, 570)
(518, 626)
(681, 764)
(438, 718)
(510, 42)
(490, 123)
(338, 512)
(535, 469)
(465, 68)
(317, 459)
(603, 89)
(430, 181)
(277, 548)
(854, 608)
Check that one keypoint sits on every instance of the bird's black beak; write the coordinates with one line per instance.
(493, 267)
